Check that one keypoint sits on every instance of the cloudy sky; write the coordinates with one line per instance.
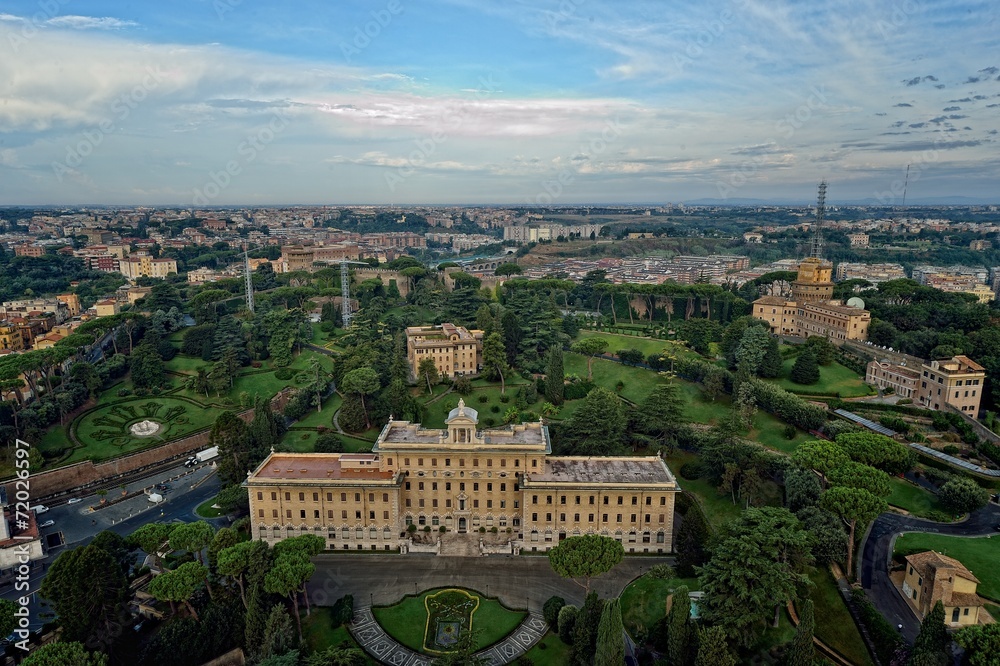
(514, 101)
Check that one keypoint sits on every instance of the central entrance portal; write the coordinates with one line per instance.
(461, 526)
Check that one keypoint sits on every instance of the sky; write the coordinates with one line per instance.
(240, 102)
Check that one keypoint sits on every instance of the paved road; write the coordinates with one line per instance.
(517, 580)
(75, 522)
(877, 551)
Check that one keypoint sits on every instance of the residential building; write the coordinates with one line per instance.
(858, 239)
(980, 245)
(28, 250)
(902, 380)
(106, 308)
(957, 381)
(464, 479)
(931, 577)
(20, 541)
(455, 349)
(874, 273)
(144, 265)
(72, 302)
(10, 337)
(752, 237)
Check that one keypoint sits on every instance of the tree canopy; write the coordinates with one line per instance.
(585, 557)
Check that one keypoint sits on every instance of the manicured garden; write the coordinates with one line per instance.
(914, 499)
(550, 651)
(979, 555)
(320, 632)
(617, 342)
(430, 620)
(834, 379)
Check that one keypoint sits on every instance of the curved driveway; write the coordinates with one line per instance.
(877, 552)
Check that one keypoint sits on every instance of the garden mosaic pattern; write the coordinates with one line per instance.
(449, 613)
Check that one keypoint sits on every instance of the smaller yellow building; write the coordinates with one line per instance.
(455, 349)
(931, 577)
(10, 337)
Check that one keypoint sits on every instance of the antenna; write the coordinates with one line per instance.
(817, 239)
(906, 182)
(248, 277)
(345, 294)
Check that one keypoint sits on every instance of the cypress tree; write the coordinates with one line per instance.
(690, 543)
(713, 649)
(801, 651)
(610, 636)
(554, 374)
(585, 630)
(680, 643)
(770, 365)
(933, 638)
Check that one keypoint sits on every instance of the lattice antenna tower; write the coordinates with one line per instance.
(248, 277)
(817, 239)
(345, 294)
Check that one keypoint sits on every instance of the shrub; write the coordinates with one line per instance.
(661, 572)
(124, 392)
(951, 450)
(495, 409)
(895, 423)
(789, 432)
(494, 530)
(411, 528)
(692, 470)
(463, 385)
(483, 399)
(442, 529)
(482, 530)
(489, 421)
(284, 374)
(883, 634)
(427, 529)
(551, 610)
(504, 398)
(343, 610)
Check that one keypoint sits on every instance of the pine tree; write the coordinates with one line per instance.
(554, 376)
(801, 651)
(610, 636)
(806, 369)
(585, 630)
(691, 543)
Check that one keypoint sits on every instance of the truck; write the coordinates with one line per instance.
(207, 454)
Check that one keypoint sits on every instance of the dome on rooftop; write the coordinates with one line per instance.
(463, 411)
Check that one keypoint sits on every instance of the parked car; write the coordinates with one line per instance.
(48, 523)
(74, 500)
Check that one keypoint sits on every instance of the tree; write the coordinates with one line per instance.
(801, 652)
(463, 653)
(495, 359)
(508, 268)
(328, 443)
(820, 455)
(981, 643)
(8, 621)
(751, 350)
(610, 636)
(179, 585)
(146, 367)
(117, 547)
(551, 611)
(278, 636)
(802, 488)
(226, 537)
(823, 349)
(877, 451)
(714, 385)
(585, 557)
(713, 649)
(598, 425)
(240, 560)
(427, 371)
(681, 644)
(64, 654)
(86, 588)
(691, 539)
(662, 411)
(806, 368)
(229, 434)
(962, 495)
(566, 623)
(856, 475)
(288, 577)
(590, 347)
(151, 537)
(585, 630)
(931, 644)
(555, 376)
(854, 506)
(770, 366)
(192, 537)
(361, 381)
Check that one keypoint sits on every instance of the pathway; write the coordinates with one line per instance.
(373, 639)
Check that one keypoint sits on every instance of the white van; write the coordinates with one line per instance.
(39, 509)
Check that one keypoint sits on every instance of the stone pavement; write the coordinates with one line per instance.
(373, 639)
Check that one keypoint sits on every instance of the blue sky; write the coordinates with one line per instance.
(237, 102)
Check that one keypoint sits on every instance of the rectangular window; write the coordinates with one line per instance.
(461, 486)
(447, 462)
(475, 487)
(406, 461)
(503, 487)
(420, 503)
(343, 514)
(288, 514)
(489, 487)
(260, 513)
(447, 503)
(503, 504)
(316, 514)
(260, 496)
(407, 502)
(274, 513)
(562, 517)
(647, 517)
(621, 500)
(633, 518)
(274, 496)
(434, 462)
(420, 485)
(489, 462)
(288, 497)
(635, 500)
(663, 501)
(534, 517)
(385, 515)
(329, 497)
(385, 497)
(357, 515)
(475, 504)
(548, 499)
(605, 518)
(434, 485)
(447, 485)
(371, 497)
(662, 517)
(534, 499)
(534, 463)
(302, 497)
(619, 517)
(371, 515)
(315, 497)
(548, 517)
(357, 497)
(329, 514)
(562, 500)
(434, 503)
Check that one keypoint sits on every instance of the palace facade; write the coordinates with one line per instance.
(464, 480)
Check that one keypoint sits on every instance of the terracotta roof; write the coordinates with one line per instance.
(771, 300)
(321, 466)
(927, 564)
(964, 599)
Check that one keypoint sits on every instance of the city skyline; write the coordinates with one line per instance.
(226, 102)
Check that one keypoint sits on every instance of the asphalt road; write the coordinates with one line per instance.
(517, 580)
(877, 553)
(79, 525)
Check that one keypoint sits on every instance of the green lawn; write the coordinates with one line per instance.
(834, 625)
(324, 417)
(913, 498)
(978, 554)
(436, 413)
(320, 633)
(647, 346)
(833, 379)
(406, 621)
(550, 651)
(644, 601)
(638, 382)
(205, 509)
(719, 508)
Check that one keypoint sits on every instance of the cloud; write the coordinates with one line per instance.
(89, 23)
(902, 104)
(989, 70)
(951, 108)
(973, 79)
(911, 82)
(759, 149)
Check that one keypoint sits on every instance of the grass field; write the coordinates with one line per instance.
(638, 382)
(644, 601)
(834, 625)
(550, 651)
(205, 509)
(406, 621)
(436, 413)
(719, 508)
(978, 554)
(833, 379)
(647, 346)
(913, 498)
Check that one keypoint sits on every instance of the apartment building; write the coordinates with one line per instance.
(455, 349)
(10, 337)
(957, 381)
(902, 380)
(465, 480)
(858, 239)
(874, 273)
(144, 265)
(28, 250)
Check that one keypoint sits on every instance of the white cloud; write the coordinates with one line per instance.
(89, 23)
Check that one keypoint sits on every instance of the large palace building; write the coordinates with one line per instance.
(465, 480)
